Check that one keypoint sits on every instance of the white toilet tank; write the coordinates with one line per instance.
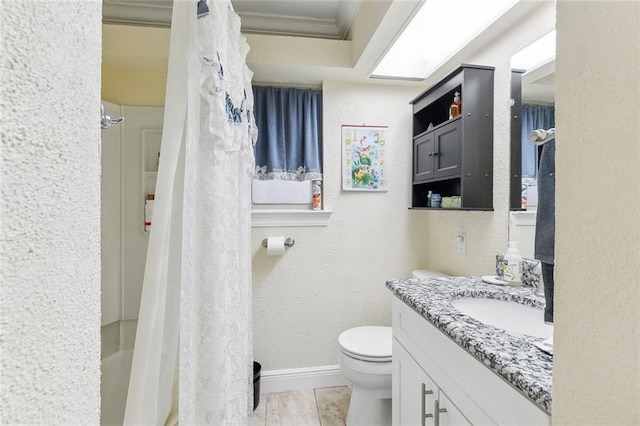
(425, 273)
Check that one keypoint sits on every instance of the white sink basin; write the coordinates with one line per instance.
(512, 317)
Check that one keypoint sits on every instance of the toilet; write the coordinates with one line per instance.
(364, 357)
(365, 360)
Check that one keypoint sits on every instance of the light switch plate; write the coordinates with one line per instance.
(461, 242)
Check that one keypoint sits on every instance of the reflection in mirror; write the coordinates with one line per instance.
(536, 63)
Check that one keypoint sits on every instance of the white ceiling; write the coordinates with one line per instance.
(319, 19)
(329, 19)
(539, 84)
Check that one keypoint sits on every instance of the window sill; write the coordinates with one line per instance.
(289, 218)
(524, 218)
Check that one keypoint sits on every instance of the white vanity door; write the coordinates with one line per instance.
(414, 392)
(452, 416)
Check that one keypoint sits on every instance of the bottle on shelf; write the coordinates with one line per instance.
(429, 198)
(148, 211)
(436, 200)
(512, 264)
(456, 107)
(316, 194)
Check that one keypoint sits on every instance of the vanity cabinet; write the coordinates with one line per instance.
(421, 401)
(454, 156)
(436, 382)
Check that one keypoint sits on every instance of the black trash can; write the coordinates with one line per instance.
(257, 368)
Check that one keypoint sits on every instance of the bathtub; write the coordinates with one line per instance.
(113, 387)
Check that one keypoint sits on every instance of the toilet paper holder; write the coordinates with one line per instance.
(289, 242)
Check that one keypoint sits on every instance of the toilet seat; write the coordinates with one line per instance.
(369, 343)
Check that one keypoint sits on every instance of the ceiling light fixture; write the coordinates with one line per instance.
(537, 53)
(438, 30)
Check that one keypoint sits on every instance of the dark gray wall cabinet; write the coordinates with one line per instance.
(455, 156)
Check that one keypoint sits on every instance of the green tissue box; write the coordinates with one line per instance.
(451, 202)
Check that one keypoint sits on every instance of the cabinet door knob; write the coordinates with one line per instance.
(435, 154)
(431, 154)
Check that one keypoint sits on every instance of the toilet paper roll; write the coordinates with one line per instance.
(275, 246)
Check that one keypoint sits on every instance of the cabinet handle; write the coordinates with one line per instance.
(424, 392)
(435, 154)
(437, 410)
(431, 154)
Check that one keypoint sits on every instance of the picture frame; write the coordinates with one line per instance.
(364, 162)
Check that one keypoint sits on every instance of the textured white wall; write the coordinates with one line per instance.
(333, 278)
(487, 232)
(596, 376)
(50, 236)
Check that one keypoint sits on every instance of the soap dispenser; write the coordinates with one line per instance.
(456, 107)
(512, 264)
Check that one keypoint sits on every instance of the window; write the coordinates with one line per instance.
(289, 147)
(533, 117)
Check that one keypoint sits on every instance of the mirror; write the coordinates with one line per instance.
(533, 91)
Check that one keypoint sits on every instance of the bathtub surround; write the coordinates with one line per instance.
(109, 339)
(50, 212)
(117, 352)
(111, 220)
(113, 387)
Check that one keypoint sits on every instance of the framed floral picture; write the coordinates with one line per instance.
(364, 158)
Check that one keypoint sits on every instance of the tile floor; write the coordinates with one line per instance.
(318, 407)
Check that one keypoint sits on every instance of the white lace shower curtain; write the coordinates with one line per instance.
(196, 298)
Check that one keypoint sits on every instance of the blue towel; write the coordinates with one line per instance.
(203, 9)
(546, 214)
(546, 222)
(547, 281)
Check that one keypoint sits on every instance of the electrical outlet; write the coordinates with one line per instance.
(461, 242)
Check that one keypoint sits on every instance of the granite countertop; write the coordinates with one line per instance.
(514, 358)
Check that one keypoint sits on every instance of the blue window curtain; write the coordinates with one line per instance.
(534, 117)
(289, 121)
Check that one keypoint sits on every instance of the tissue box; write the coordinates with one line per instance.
(451, 202)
